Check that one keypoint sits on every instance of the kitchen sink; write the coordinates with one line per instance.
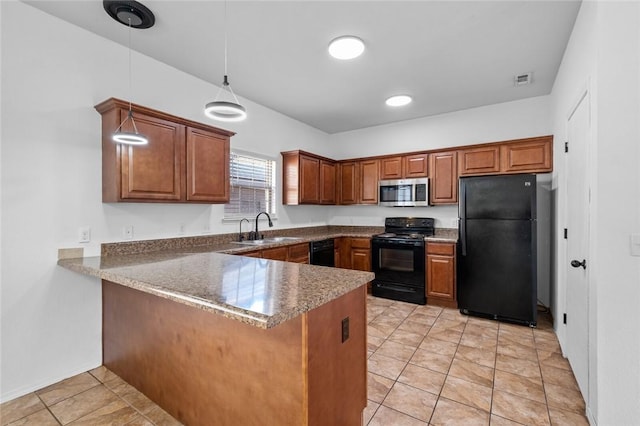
(267, 241)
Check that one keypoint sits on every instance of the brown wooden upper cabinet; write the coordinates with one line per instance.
(479, 161)
(307, 179)
(184, 161)
(443, 185)
(415, 165)
(404, 166)
(348, 182)
(368, 182)
(328, 176)
(391, 168)
(358, 182)
(533, 155)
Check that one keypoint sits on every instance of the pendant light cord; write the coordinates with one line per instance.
(129, 43)
(130, 112)
(225, 82)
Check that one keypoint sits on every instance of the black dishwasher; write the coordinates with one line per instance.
(322, 252)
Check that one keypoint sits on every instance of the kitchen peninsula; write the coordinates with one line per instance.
(215, 338)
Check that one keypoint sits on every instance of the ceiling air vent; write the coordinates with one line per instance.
(522, 79)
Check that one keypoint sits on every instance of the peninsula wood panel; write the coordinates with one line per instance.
(202, 367)
(207, 166)
(338, 370)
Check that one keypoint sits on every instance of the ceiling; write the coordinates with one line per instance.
(448, 55)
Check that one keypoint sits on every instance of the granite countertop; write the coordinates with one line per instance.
(259, 292)
(201, 272)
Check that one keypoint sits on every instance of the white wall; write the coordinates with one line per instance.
(510, 120)
(52, 75)
(603, 56)
(617, 202)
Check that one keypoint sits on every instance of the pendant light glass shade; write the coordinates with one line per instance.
(123, 137)
(219, 109)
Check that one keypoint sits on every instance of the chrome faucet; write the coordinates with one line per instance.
(254, 235)
(240, 236)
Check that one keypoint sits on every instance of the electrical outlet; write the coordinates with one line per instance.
(181, 229)
(345, 329)
(84, 234)
(206, 229)
(127, 232)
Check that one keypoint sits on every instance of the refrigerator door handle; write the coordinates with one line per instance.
(463, 236)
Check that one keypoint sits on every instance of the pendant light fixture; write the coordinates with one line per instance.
(225, 110)
(123, 137)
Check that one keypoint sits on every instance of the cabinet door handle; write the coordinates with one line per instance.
(577, 264)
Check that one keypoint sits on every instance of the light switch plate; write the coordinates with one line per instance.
(635, 244)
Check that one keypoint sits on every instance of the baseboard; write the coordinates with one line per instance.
(590, 418)
(16, 393)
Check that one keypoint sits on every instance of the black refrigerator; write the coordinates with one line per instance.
(497, 249)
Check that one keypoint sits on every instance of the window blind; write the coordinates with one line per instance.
(252, 186)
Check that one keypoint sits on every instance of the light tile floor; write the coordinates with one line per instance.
(427, 365)
(431, 365)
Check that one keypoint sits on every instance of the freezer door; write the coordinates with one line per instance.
(498, 197)
(497, 276)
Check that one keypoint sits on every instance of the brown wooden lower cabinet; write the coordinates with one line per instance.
(353, 253)
(276, 253)
(441, 274)
(204, 369)
(297, 253)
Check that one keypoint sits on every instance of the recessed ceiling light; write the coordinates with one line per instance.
(346, 47)
(398, 100)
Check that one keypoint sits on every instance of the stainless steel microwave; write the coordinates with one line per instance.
(403, 192)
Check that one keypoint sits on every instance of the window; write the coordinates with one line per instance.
(253, 188)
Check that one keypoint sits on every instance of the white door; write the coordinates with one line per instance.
(577, 291)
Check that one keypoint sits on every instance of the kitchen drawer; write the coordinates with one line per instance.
(445, 249)
(360, 243)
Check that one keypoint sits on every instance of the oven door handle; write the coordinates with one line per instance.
(396, 288)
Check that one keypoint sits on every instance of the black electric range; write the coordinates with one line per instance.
(398, 259)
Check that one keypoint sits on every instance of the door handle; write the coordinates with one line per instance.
(577, 264)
